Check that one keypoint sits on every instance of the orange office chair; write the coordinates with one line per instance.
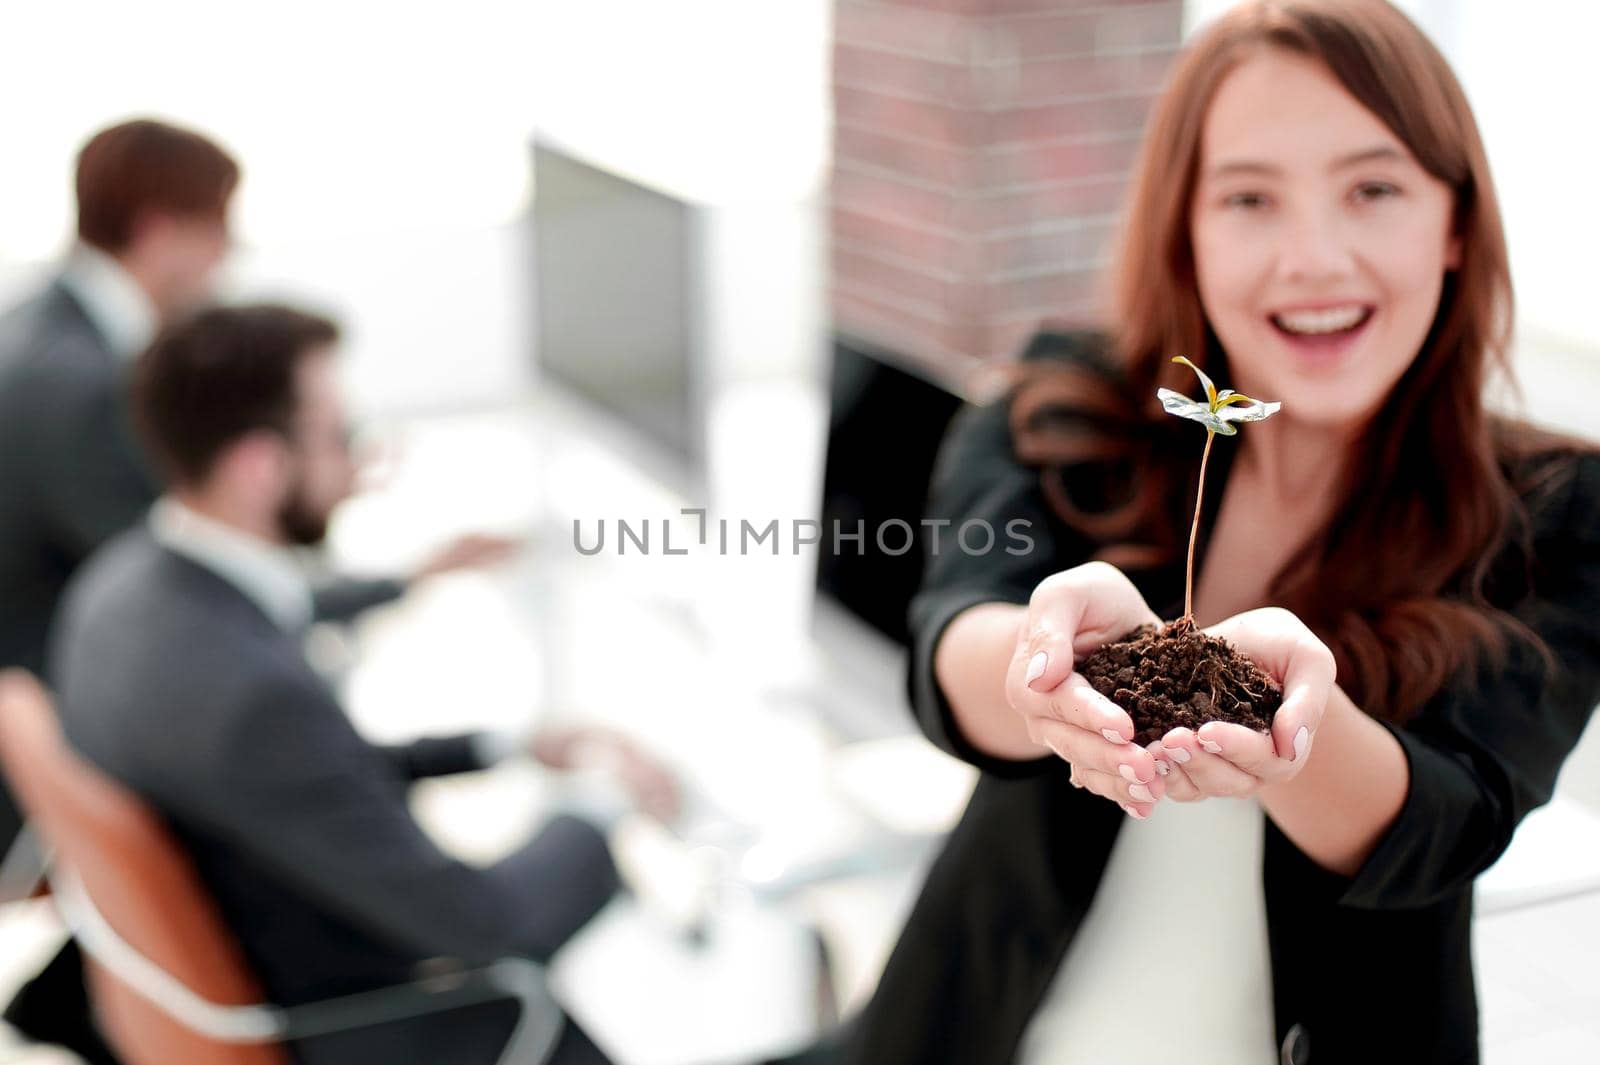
(167, 979)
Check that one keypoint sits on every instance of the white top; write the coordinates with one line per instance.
(1171, 961)
(116, 304)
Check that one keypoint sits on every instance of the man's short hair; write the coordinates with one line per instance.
(209, 379)
(141, 166)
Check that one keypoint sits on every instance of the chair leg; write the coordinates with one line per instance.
(540, 1021)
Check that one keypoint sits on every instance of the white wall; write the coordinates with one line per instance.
(384, 150)
(385, 145)
(719, 100)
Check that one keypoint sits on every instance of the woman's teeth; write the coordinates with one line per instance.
(1314, 323)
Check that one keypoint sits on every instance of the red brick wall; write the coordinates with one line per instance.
(981, 150)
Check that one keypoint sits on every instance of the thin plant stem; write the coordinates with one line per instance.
(1194, 532)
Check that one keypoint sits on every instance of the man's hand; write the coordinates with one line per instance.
(474, 551)
(653, 787)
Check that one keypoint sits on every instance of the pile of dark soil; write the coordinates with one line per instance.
(1176, 676)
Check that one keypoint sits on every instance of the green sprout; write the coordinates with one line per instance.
(1218, 413)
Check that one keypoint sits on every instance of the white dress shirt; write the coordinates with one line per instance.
(1171, 961)
(116, 304)
(267, 573)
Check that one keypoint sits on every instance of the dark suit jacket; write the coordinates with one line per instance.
(72, 476)
(1373, 968)
(175, 683)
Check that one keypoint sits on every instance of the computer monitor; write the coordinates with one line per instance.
(617, 311)
(885, 427)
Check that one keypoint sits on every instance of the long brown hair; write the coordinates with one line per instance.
(1396, 582)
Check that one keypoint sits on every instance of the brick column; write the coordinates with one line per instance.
(981, 150)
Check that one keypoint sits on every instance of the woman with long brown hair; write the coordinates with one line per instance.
(1312, 221)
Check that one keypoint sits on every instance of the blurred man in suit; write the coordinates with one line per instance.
(152, 230)
(153, 202)
(180, 672)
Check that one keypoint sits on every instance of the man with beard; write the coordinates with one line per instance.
(180, 673)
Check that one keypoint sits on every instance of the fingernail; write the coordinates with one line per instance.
(1130, 774)
(1113, 735)
(1213, 748)
(1131, 812)
(1178, 754)
(1162, 767)
(1301, 739)
(1140, 793)
(1036, 667)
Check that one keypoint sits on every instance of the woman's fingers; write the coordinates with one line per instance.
(1069, 614)
(1137, 800)
(1290, 651)
(1280, 643)
(1043, 658)
(1078, 703)
(1080, 608)
(1202, 760)
(1245, 748)
(1109, 604)
(1163, 767)
(1267, 636)
(1179, 788)
(1307, 686)
(1091, 750)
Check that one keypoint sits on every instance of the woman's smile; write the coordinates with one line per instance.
(1323, 339)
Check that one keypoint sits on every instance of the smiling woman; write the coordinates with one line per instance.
(1333, 243)
(1311, 220)
(1320, 261)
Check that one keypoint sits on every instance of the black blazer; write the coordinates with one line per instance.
(174, 682)
(1377, 967)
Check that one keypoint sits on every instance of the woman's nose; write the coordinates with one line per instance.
(1315, 248)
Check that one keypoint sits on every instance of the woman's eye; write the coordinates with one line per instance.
(1248, 200)
(1376, 190)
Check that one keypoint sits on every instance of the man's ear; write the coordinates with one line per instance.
(257, 462)
(150, 224)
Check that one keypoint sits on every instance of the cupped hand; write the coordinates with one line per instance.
(1226, 760)
(1071, 614)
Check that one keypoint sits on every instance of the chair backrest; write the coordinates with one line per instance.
(138, 878)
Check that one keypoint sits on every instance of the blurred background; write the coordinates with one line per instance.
(607, 261)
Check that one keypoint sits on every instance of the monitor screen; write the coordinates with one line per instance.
(614, 300)
(885, 427)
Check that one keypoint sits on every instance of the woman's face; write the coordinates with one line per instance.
(1320, 244)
